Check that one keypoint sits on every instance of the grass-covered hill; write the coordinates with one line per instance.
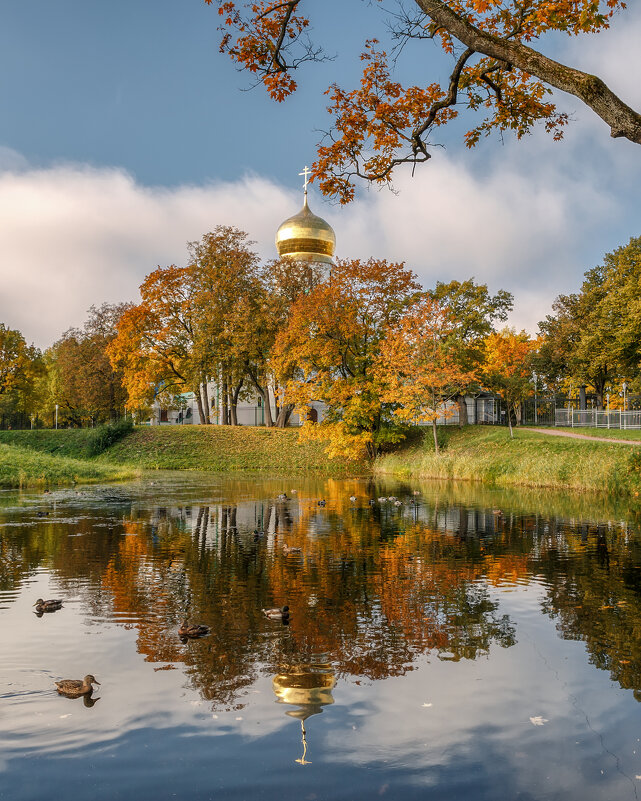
(63, 456)
(534, 459)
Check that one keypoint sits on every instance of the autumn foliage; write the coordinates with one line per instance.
(417, 368)
(497, 71)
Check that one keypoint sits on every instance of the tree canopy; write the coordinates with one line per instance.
(497, 68)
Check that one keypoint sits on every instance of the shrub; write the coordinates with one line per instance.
(105, 436)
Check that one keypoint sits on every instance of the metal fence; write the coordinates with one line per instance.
(594, 418)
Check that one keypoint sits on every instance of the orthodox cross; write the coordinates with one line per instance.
(306, 172)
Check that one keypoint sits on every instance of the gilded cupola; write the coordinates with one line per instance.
(306, 237)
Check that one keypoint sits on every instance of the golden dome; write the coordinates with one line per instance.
(306, 237)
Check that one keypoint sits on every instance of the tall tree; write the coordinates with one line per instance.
(417, 367)
(227, 287)
(86, 386)
(494, 68)
(155, 346)
(329, 349)
(508, 368)
(592, 337)
(21, 365)
(475, 311)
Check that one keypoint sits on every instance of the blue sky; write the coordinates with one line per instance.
(124, 134)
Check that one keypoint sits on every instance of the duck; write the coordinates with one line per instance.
(277, 614)
(371, 501)
(382, 500)
(322, 503)
(287, 549)
(283, 496)
(398, 503)
(416, 492)
(52, 605)
(353, 498)
(74, 688)
(192, 629)
(258, 535)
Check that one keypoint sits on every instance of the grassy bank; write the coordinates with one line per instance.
(25, 467)
(531, 459)
(214, 448)
(223, 448)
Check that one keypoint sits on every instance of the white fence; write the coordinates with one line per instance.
(592, 418)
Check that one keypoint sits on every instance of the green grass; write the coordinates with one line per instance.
(223, 448)
(74, 442)
(25, 467)
(213, 448)
(478, 453)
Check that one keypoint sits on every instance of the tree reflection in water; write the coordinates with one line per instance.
(373, 588)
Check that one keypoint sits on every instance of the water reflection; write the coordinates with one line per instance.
(309, 689)
(380, 590)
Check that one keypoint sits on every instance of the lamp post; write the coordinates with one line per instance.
(56, 415)
(536, 411)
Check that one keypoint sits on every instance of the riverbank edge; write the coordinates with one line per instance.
(49, 457)
(22, 468)
(532, 459)
(479, 454)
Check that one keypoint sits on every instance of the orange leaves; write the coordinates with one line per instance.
(266, 39)
(382, 123)
(416, 367)
(328, 350)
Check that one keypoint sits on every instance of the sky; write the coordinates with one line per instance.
(125, 134)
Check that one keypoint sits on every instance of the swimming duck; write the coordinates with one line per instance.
(192, 629)
(52, 605)
(382, 500)
(371, 501)
(277, 614)
(353, 498)
(322, 503)
(74, 688)
(398, 503)
(287, 549)
(283, 496)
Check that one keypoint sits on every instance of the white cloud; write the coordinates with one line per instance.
(73, 236)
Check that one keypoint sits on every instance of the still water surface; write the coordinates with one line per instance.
(466, 644)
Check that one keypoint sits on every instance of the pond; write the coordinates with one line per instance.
(450, 643)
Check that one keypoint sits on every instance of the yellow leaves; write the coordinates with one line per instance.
(328, 350)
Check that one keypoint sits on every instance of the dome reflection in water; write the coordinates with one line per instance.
(469, 643)
(307, 687)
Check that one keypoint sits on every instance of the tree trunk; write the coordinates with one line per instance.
(435, 436)
(284, 414)
(264, 394)
(206, 402)
(199, 401)
(234, 402)
(509, 420)
(225, 398)
(462, 410)
(623, 121)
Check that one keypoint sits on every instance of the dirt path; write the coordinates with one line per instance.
(571, 434)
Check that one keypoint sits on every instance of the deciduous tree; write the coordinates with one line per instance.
(497, 68)
(475, 311)
(330, 346)
(508, 367)
(21, 365)
(417, 368)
